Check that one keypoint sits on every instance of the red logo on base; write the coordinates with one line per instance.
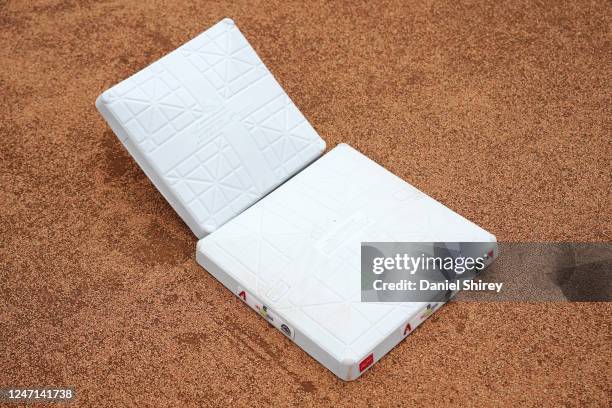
(408, 329)
(366, 362)
(242, 295)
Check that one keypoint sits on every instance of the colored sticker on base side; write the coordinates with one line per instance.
(428, 311)
(366, 362)
(420, 317)
(265, 312)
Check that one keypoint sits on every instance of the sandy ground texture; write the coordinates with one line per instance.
(501, 112)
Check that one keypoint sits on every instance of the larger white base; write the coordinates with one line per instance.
(295, 256)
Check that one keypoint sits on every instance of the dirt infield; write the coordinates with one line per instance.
(501, 112)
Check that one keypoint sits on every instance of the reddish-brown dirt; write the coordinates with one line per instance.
(500, 111)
